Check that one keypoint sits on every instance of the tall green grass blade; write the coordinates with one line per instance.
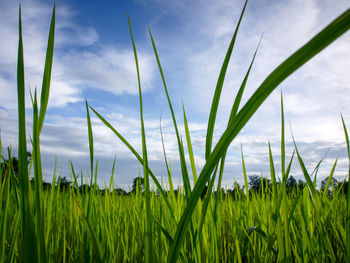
(246, 185)
(45, 90)
(38, 180)
(4, 204)
(338, 27)
(30, 249)
(283, 145)
(184, 170)
(91, 150)
(218, 89)
(139, 158)
(189, 146)
(148, 229)
(231, 118)
(75, 178)
(95, 176)
(171, 186)
(111, 181)
(306, 174)
(347, 227)
(91, 141)
(273, 177)
(326, 190)
(97, 246)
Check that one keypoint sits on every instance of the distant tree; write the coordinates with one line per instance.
(138, 184)
(301, 184)
(334, 183)
(204, 192)
(236, 191)
(343, 187)
(13, 161)
(256, 183)
(120, 191)
(291, 183)
(64, 183)
(84, 188)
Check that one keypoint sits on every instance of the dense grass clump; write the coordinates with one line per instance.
(242, 229)
(61, 224)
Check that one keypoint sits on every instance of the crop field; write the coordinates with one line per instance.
(277, 221)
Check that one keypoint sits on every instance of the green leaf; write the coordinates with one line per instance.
(184, 171)
(139, 158)
(218, 89)
(189, 146)
(45, 90)
(148, 229)
(29, 237)
(338, 27)
(171, 186)
(348, 196)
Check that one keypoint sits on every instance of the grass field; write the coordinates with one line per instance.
(51, 225)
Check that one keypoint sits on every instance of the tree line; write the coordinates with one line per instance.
(257, 184)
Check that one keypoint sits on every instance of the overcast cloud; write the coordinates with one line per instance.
(192, 38)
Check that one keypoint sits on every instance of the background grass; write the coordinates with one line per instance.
(72, 225)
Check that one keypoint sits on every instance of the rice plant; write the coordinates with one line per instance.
(77, 224)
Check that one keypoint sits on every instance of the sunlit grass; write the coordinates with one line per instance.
(56, 225)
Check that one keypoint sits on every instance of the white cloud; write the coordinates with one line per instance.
(191, 55)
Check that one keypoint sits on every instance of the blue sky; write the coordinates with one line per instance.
(93, 58)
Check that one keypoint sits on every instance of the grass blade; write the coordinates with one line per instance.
(347, 227)
(148, 231)
(185, 176)
(30, 249)
(38, 180)
(91, 232)
(189, 146)
(45, 90)
(325, 193)
(111, 181)
(171, 186)
(139, 158)
(218, 89)
(338, 27)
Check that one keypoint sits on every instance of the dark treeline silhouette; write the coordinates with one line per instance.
(257, 184)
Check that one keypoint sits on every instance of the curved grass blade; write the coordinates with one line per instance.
(261, 233)
(283, 145)
(91, 232)
(218, 89)
(246, 185)
(139, 158)
(184, 171)
(306, 174)
(334, 30)
(273, 176)
(189, 146)
(148, 229)
(91, 141)
(171, 186)
(29, 237)
(325, 193)
(38, 180)
(232, 116)
(112, 177)
(91, 148)
(45, 90)
(348, 195)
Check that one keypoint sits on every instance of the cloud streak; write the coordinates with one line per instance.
(191, 48)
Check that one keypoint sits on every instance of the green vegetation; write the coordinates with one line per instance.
(273, 223)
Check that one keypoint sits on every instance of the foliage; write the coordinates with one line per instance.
(267, 226)
(138, 185)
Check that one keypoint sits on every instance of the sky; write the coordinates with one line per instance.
(93, 59)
